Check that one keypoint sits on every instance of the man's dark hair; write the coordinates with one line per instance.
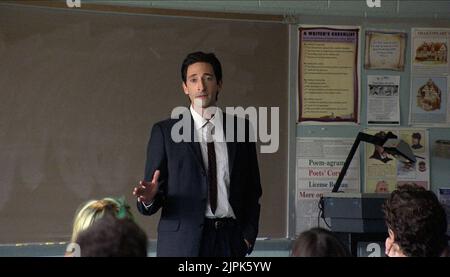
(418, 221)
(205, 58)
(113, 237)
(318, 242)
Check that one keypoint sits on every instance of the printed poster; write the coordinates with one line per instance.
(328, 74)
(319, 162)
(429, 96)
(383, 100)
(383, 172)
(385, 50)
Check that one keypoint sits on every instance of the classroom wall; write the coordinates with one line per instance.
(394, 15)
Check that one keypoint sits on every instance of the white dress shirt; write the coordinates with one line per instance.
(223, 170)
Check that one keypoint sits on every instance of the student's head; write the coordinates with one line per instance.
(93, 210)
(416, 222)
(113, 237)
(416, 138)
(318, 242)
(201, 74)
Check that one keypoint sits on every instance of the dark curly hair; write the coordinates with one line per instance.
(418, 221)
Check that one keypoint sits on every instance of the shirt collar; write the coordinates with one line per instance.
(199, 121)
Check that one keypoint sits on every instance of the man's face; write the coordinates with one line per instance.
(201, 85)
(415, 141)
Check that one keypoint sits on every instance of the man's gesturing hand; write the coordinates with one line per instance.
(146, 191)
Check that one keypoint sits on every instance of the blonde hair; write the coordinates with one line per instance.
(92, 210)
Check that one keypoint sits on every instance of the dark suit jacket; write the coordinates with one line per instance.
(183, 190)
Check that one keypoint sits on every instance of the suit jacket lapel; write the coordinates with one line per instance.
(231, 145)
(195, 146)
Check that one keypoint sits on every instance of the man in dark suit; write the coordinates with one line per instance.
(208, 188)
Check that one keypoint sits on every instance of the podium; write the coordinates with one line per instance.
(355, 217)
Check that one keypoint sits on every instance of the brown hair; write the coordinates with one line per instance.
(418, 221)
(318, 242)
(113, 237)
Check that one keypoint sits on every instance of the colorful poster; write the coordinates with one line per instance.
(319, 162)
(383, 172)
(385, 50)
(328, 75)
(429, 100)
(430, 48)
(429, 96)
